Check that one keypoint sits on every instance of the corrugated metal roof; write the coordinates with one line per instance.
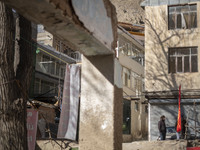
(165, 2)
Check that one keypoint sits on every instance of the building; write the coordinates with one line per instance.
(100, 120)
(172, 59)
(131, 57)
(50, 64)
(46, 38)
(49, 71)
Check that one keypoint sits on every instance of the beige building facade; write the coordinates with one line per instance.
(131, 57)
(172, 35)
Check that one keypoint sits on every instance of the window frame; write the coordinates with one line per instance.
(176, 14)
(183, 57)
(137, 106)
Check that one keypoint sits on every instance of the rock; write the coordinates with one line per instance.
(129, 11)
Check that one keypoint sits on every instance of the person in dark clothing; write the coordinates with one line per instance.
(183, 126)
(162, 128)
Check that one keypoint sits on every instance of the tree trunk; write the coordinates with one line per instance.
(13, 133)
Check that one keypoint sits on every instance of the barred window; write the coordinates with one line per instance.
(182, 17)
(183, 60)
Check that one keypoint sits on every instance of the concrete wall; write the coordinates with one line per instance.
(168, 108)
(101, 105)
(157, 41)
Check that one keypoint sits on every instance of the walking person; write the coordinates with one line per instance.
(162, 128)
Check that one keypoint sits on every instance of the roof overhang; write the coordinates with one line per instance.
(87, 27)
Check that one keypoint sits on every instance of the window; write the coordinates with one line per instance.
(182, 17)
(126, 77)
(136, 106)
(183, 60)
(46, 63)
(138, 86)
(132, 80)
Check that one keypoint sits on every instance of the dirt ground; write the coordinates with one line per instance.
(156, 145)
(129, 11)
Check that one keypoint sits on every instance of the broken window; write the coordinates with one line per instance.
(182, 17)
(183, 60)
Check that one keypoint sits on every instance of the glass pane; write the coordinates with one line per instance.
(185, 8)
(194, 63)
(193, 7)
(171, 9)
(171, 21)
(179, 64)
(178, 8)
(179, 21)
(183, 51)
(172, 65)
(185, 21)
(193, 19)
(193, 50)
(186, 64)
(172, 52)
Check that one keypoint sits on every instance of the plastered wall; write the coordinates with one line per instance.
(157, 41)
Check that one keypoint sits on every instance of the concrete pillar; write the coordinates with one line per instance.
(101, 105)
